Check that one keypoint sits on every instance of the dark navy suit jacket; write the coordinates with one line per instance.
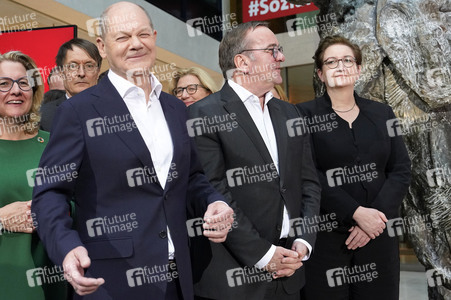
(122, 212)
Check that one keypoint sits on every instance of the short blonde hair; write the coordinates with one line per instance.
(38, 89)
(203, 77)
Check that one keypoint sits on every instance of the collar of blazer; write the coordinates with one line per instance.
(110, 103)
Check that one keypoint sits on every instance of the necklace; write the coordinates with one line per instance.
(344, 111)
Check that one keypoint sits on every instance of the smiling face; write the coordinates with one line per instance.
(129, 43)
(201, 92)
(76, 81)
(340, 76)
(15, 102)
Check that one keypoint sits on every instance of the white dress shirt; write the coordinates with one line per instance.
(262, 120)
(152, 126)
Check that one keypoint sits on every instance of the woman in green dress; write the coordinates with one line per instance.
(25, 270)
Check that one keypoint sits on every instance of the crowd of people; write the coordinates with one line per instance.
(114, 212)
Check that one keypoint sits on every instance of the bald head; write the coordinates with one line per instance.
(121, 15)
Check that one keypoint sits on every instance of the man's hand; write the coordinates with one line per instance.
(218, 221)
(16, 217)
(73, 265)
(370, 220)
(357, 238)
(300, 248)
(283, 263)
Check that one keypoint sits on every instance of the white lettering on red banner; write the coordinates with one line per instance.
(259, 10)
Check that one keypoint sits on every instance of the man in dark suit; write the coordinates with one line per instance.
(78, 62)
(122, 148)
(268, 176)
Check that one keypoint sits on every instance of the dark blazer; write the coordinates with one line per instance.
(48, 111)
(115, 181)
(368, 142)
(259, 205)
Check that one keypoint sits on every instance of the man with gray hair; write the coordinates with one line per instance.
(135, 170)
(264, 170)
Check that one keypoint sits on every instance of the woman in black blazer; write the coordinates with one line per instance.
(364, 171)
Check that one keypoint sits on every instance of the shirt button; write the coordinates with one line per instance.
(163, 234)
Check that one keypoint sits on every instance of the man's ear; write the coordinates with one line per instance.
(242, 63)
(101, 47)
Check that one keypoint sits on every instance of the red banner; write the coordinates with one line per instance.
(259, 10)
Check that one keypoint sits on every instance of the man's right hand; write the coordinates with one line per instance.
(370, 220)
(74, 263)
(283, 263)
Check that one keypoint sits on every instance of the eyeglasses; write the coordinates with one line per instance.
(332, 62)
(190, 89)
(89, 67)
(274, 50)
(6, 84)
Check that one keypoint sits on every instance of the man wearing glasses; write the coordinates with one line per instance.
(266, 173)
(79, 63)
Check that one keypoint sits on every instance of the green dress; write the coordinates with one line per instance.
(25, 270)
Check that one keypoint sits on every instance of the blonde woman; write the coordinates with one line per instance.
(193, 84)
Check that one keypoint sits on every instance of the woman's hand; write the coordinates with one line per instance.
(370, 220)
(357, 239)
(16, 217)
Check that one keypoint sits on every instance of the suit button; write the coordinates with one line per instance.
(283, 190)
(166, 197)
(163, 234)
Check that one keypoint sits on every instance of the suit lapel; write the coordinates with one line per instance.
(278, 120)
(233, 104)
(111, 104)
